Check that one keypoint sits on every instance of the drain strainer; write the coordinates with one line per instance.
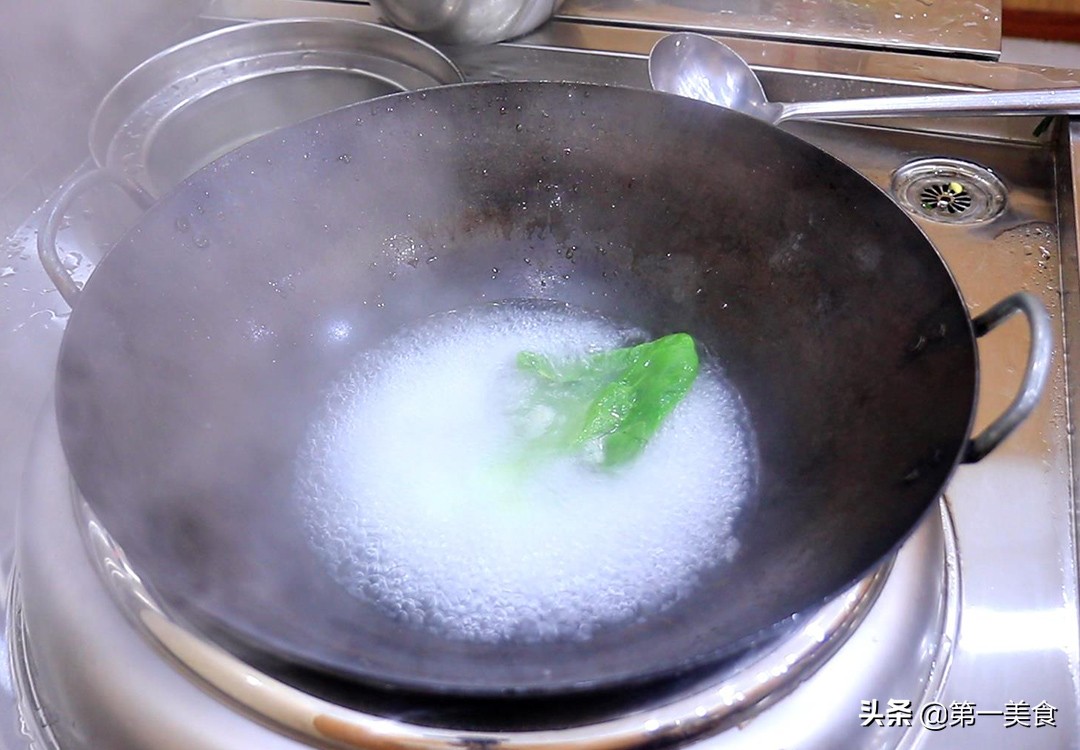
(949, 190)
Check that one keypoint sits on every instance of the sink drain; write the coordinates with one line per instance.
(949, 191)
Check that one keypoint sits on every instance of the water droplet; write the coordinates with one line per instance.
(345, 158)
(182, 224)
(201, 242)
(6, 271)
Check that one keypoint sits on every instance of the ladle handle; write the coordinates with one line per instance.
(1040, 353)
(1031, 102)
(46, 240)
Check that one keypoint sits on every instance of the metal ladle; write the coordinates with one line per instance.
(702, 68)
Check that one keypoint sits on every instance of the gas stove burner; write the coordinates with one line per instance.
(125, 672)
(949, 191)
(760, 676)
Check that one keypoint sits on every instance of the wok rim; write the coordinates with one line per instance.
(612, 679)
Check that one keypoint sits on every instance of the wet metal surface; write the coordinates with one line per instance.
(936, 26)
(1014, 513)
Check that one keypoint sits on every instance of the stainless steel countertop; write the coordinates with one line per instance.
(1019, 635)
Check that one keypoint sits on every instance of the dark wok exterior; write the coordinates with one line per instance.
(200, 349)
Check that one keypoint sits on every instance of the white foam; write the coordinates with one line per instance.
(410, 502)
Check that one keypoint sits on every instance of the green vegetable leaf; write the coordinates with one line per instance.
(617, 398)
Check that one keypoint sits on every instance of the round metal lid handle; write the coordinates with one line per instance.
(1036, 373)
(46, 240)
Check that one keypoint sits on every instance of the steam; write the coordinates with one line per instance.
(57, 60)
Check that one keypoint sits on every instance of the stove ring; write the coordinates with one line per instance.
(700, 711)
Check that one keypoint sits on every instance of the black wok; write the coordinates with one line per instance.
(199, 351)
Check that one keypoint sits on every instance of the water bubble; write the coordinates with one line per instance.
(547, 564)
(402, 249)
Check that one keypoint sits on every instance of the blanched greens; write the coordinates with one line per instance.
(607, 405)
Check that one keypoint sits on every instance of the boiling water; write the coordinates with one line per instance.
(416, 496)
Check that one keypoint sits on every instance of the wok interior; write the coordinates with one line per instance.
(205, 341)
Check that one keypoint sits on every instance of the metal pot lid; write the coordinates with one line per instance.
(198, 100)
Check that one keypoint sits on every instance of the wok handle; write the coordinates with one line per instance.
(1040, 354)
(46, 240)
